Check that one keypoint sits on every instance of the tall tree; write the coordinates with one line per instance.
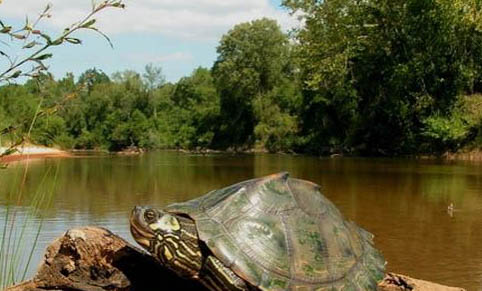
(251, 59)
(92, 77)
(153, 77)
(374, 70)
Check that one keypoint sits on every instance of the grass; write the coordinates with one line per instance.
(23, 215)
(22, 223)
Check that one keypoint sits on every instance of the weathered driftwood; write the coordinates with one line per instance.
(396, 282)
(94, 259)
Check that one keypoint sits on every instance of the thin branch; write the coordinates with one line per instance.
(85, 23)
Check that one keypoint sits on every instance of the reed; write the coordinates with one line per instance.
(23, 216)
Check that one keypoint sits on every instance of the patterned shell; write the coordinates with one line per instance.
(281, 233)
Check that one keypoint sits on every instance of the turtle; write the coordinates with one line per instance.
(269, 233)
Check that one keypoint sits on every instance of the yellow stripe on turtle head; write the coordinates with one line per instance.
(167, 223)
(167, 254)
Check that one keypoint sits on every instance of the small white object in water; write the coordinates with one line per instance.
(450, 209)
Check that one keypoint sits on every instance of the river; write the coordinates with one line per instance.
(403, 202)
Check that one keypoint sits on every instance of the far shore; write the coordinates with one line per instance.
(24, 153)
(472, 155)
(30, 152)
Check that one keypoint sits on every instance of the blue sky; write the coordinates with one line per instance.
(178, 35)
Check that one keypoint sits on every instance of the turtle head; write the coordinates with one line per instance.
(149, 223)
(171, 238)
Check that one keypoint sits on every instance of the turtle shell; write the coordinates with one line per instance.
(280, 233)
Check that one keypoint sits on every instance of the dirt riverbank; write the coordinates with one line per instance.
(30, 152)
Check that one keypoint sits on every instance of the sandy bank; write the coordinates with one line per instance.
(29, 152)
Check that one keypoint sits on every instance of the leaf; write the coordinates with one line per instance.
(18, 36)
(27, 26)
(30, 45)
(46, 37)
(73, 40)
(89, 23)
(42, 57)
(16, 74)
(47, 8)
(118, 4)
(6, 29)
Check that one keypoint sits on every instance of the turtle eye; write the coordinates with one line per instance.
(150, 215)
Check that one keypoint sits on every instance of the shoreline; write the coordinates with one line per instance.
(472, 155)
(31, 152)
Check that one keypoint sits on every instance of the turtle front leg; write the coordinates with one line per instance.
(216, 276)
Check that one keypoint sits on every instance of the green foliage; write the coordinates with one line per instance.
(373, 77)
(114, 115)
(375, 71)
(277, 117)
(462, 127)
(275, 130)
(92, 77)
(194, 111)
(50, 130)
(251, 60)
(444, 133)
(153, 77)
(470, 107)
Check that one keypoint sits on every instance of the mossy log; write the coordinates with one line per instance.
(95, 259)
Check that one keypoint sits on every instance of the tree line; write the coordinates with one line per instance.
(372, 77)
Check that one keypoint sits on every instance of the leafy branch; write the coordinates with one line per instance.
(36, 42)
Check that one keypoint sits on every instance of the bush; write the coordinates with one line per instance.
(445, 133)
(462, 127)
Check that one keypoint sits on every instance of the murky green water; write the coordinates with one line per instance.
(403, 202)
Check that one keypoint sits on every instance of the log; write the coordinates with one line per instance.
(397, 282)
(95, 259)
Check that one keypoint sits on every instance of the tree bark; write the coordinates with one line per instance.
(94, 259)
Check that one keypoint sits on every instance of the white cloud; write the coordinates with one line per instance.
(178, 56)
(185, 19)
(155, 58)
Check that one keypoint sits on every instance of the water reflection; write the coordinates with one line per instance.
(403, 202)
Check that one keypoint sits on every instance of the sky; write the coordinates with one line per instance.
(177, 35)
